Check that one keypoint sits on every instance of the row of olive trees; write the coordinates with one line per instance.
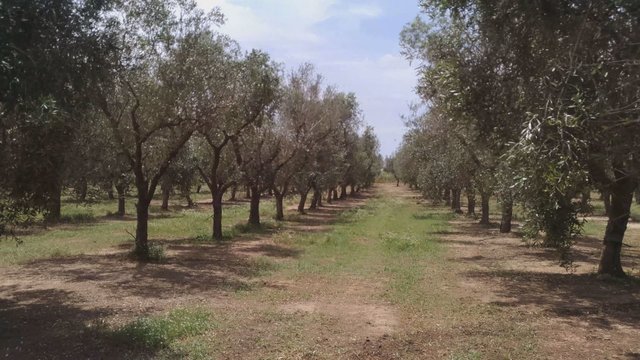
(150, 96)
(532, 102)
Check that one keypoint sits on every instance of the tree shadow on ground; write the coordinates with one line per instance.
(46, 324)
(602, 302)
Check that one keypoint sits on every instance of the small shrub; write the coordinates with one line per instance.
(157, 252)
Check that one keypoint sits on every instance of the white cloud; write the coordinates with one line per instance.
(366, 10)
(285, 21)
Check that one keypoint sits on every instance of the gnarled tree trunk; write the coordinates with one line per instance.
(621, 198)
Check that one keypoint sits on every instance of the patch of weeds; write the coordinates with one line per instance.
(468, 355)
(203, 238)
(261, 266)
(245, 228)
(157, 252)
(405, 242)
(158, 332)
(58, 253)
(78, 218)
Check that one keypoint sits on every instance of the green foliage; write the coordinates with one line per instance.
(163, 331)
(157, 252)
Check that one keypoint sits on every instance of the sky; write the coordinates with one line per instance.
(354, 44)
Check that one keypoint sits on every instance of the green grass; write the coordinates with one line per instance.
(382, 240)
(88, 228)
(174, 334)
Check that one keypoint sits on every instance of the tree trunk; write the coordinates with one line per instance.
(279, 206)
(142, 227)
(121, 200)
(471, 202)
(586, 196)
(83, 189)
(343, 192)
(314, 201)
(455, 201)
(353, 190)
(621, 199)
(187, 197)
(198, 188)
(638, 195)
(606, 197)
(507, 215)
(484, 200)
(303, 201)
(216, 203)
(329, 197)
(254, 211)
(447, 197)
(335, 194)
(318, 194)
(54, 204)
(110, 194)
(247, 194)
(234, 189)
(166, 192)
